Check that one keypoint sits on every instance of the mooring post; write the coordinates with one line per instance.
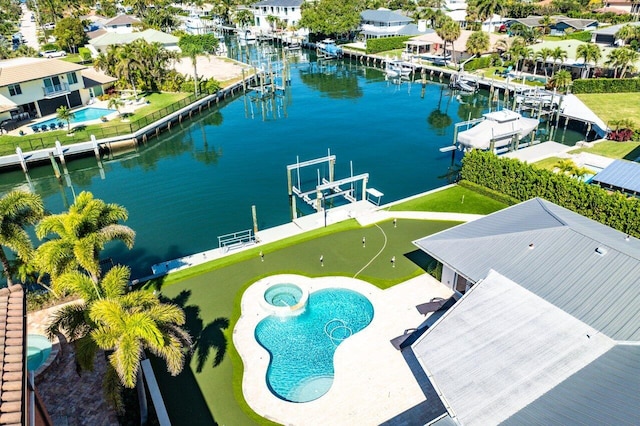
(23, 162)
(96, 149)
(60, 153)
(254, 215)
(56, 169)
(244, 83)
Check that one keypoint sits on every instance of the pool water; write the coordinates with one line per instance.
(81, 115)
(283, 295)
(302, 347)
(38, 350)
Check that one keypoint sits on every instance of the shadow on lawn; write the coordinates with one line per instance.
(421, 259)
(633, 155)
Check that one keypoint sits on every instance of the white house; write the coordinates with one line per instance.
(100, 44)
(288, 11)
(121, 24)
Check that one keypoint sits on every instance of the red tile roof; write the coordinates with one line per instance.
(12, 356)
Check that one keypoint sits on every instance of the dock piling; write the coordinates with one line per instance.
(56, 169)
(23, 162)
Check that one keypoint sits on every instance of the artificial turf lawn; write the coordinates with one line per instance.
(611, 107)
(211, 301)
(454, 199)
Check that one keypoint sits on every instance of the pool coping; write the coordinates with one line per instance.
(372, 381)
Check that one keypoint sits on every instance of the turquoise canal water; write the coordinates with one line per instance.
(199, 180)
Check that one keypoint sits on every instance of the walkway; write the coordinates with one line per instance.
(573, 108)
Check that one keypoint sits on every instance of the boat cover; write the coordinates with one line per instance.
(501, 131)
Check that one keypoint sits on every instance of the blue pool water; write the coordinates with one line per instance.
(81, 115)
(302, 347)
(38, 350)
(283, 295)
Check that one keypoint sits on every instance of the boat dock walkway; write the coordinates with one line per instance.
(574, 109)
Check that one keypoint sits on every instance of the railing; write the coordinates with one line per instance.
(56, 90)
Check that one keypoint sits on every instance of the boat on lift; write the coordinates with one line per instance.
(327, 49)
(398, 68)
(458, 83)
(497, 131)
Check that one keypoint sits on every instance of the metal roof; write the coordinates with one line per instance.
(278, 3)
(581, 266)
(503, 354)
(621, 174)
(384, 15)
(613, 29)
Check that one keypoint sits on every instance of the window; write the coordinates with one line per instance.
(14, 89)
(72, 78)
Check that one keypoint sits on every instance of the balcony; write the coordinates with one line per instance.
(56, 90)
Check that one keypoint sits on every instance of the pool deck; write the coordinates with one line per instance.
(372, 382)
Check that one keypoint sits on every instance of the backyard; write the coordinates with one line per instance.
(611, 107)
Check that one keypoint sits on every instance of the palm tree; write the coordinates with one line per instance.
(63, 113)
(449, 31)
(115, 102)
(487, 8)
(128, 64)
(589, 52)
(545, 53)
(194, 45)
(18, 209)
(562, 80)
(558, 54)
(478, 43)
(244, 18)
(624, 58)
(546, 22)
(626, 33)
(81, 233)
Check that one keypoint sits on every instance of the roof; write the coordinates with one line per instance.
(384, 15)
(97, 33)
(94, 78)
(621, 174)
(7, 104)
(12, 354)
(535, 21)
(150, 35)
(121, 20)
(19, 70)
(529, 358)
(280, 3)
(577, 264)
(459, 45)
(613, 29)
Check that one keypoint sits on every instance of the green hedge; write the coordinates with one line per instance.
(580, 35)
(522, 181)
(606, 85)
(478, 63)
(376, 45)
(494, 195)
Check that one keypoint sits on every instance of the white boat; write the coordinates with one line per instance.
(399, 68)
(497, 130)
(459, 83)
(294, 46)
(327, 49)
(245, 34)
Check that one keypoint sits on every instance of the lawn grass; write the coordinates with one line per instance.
(620, 150)
(455, 199)
(211, 301)
(613, 106)
(547, 163)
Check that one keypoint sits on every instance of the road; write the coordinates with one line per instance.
(28, 28)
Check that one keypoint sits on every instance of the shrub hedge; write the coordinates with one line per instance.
(522, 181)
(478, 63)
(376, 45)
(494, 195)
(606, 85)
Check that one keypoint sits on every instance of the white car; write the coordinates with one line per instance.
(49, 26)
(53, 53)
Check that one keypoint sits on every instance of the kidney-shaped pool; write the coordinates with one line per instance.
(302, 346)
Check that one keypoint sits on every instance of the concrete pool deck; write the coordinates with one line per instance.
(372, 381)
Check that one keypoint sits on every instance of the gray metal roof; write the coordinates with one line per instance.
(613, 29)
(501, 348)
(382, 15)
(607, 391)
(621, 174)
(279, 3)
(535, 21)
(562, 266)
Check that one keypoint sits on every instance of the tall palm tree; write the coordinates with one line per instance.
(195, 45)
(478, 43)
(561, 80)
(78, 236)
(545, 53)
(115, 102)
(18, 209)
(487, 8)
(589, 52)
(128, 65)
(449, 32)
(63, 113)
(622, 58)
(558, 54)
(626, 33)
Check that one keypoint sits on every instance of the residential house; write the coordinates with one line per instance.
(288, 11)
(559, 24)
(100, 44)
(431, 45)
(620, 175)
(628, 6)
(121, 24)
(386, 23)
(548, 328)
(457, 10)
(607, 35)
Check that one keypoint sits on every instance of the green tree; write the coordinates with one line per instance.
(18, 209)
(545, 53)
(76, 238)
(590, 53)
(63, 113)
(69, 33)
(449, 32)
(561, 80)
(478, 43)
(244, 18)
(194, 45)
(485, 9)
(547, 21)
(622, 58)
(558, 54)
(331, 17)
(115, 102)
(627, 33)
(129, 65)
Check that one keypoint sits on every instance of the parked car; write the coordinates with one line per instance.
(49, 26)
(53, 53)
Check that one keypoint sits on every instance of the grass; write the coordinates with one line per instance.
(547, 163)
(211, 301)
(620, 150)
(613, 106)
(454, 199)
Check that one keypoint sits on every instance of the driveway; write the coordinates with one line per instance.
(28, 28)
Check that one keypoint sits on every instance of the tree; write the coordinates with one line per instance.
(63, 113)
(69, 33)
(558, 54)
(590, 53)
(518, 51)
(545, 53)
(487, 8)
(244, 18)
(561, 80)
(622, 58)
(18, 209)
(626, 33)
(478, 43)
(115, 102)
(449, 32)
(331, 17)
(194, 45)
(77, 237)
(546, 22)
(128, 65)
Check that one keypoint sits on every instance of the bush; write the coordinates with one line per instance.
(49, 46)
(376, 45)
(606, 85)
(621, 135)
(478, 63)
(523, 181)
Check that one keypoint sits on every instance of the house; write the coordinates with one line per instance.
(386, 23)
(559, 24)
(21, 404)
(628, 6)
(620, 175)
(548, 328)
(100, 44)
(607, 35)
(430, 44)
(288, 11)
(121, 24)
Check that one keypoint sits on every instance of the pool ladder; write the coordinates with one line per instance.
(332, 326)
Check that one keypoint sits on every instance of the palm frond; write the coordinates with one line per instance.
(112, 388)
(114, 283)
(126, 359)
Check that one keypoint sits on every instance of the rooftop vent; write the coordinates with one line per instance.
(531, 246)
(601, 251)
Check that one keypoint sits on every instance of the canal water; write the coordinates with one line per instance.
(199, 181)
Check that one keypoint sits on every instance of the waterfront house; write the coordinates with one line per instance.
(121, 24)
(628, 6)
(430, 45)
(607, 35)
(559, 24)
(100, 44)
(386, 23)
(288, 11)
(548, 328)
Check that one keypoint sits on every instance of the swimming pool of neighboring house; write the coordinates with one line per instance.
(80, 116)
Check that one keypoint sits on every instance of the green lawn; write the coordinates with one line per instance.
(211, 302)
(455, 199)
(613, 106)
(626, 150)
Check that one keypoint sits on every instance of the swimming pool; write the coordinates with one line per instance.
(302, 347)
(80, 116)
(38, 350)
